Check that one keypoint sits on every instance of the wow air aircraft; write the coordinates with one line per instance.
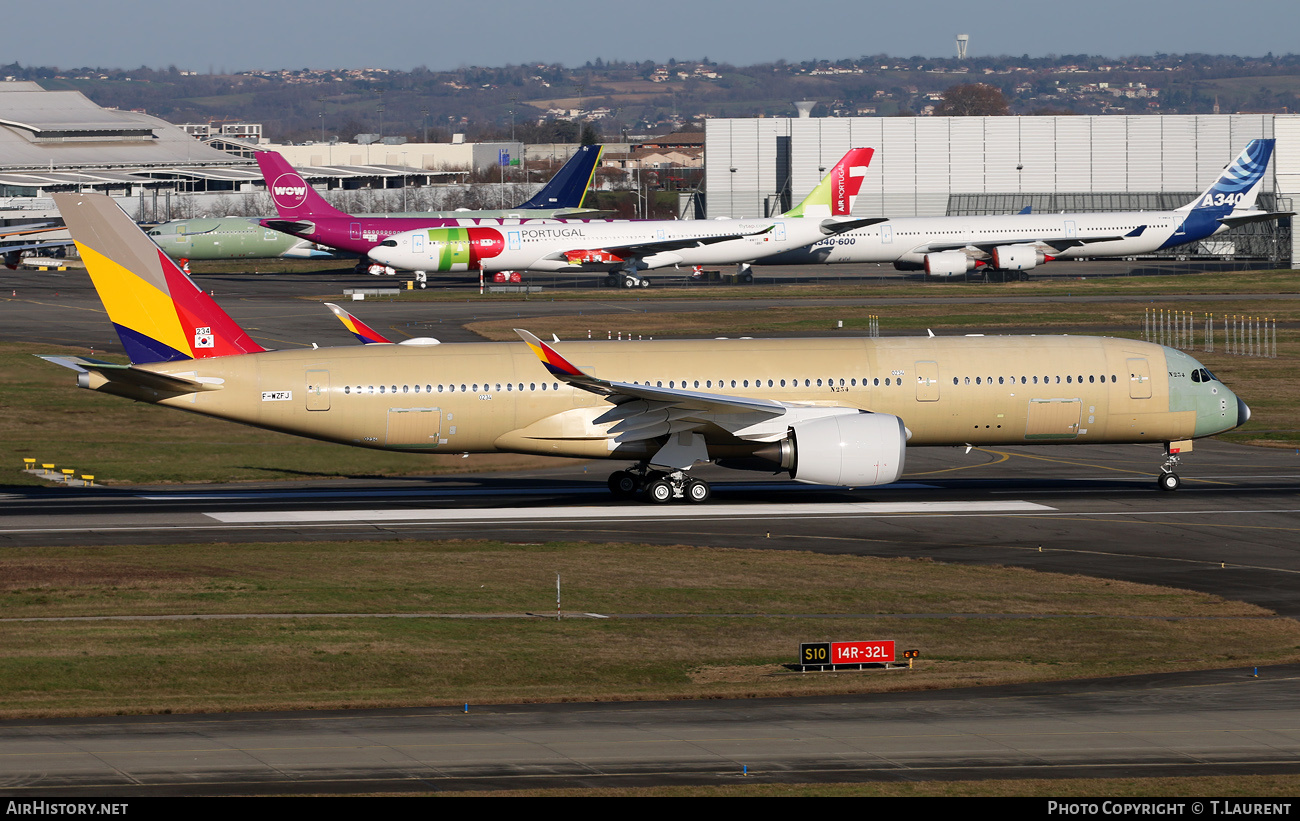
(305, 214)
(623, 248)
(239, 238)
(1007, 245)
(829, 411)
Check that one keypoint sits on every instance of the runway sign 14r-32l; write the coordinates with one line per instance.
(835, 653)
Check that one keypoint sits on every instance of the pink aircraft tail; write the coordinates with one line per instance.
(294, 199)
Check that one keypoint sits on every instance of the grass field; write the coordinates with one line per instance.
(367, 631)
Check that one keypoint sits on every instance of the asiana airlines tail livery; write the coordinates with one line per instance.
(828, 411)
(1006, 245)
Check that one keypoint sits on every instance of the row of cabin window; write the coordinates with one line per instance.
(672, 384)
(771, 383)
(1025, 380)
(464, 388)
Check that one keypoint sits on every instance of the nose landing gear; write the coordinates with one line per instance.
(1168, 480)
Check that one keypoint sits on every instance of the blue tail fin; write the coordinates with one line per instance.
(1238, 186)
(570, 184)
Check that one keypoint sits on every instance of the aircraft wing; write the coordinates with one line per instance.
(640, 412)
(1056, 244)
(33, 228)
(620, 392)
(645, 249)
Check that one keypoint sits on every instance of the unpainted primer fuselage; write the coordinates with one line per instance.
(497, 397)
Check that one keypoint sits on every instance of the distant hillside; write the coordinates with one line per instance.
(539, 101)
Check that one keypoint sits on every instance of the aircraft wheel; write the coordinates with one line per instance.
(629, 282)
(645, 283)
(659, 492)
(698, 492)
(622, 483)
(747, 278)
(1169, 481)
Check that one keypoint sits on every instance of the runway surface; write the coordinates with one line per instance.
(1233, 529)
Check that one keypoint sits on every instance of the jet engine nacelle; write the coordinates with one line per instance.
(857, 450)
(948, 263)
(1017, 257)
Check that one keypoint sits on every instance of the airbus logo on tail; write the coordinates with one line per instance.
(289, 190)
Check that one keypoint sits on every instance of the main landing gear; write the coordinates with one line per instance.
(617, 279)
(658, 486)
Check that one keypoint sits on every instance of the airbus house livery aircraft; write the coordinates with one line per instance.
(829, 411)
(1006, 245)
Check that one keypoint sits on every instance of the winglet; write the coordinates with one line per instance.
(556, 364)
(1136, 232)
(359, 329)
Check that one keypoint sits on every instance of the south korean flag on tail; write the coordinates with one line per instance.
(203, 338)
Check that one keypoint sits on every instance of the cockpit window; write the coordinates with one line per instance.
(1203, 375)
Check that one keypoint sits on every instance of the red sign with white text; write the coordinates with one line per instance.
(861, 652)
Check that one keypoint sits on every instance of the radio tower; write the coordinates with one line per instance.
(962, 41)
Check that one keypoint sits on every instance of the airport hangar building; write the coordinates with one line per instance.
(935, 166)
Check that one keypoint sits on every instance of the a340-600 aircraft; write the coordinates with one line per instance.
(829, 411)
(1007, 244)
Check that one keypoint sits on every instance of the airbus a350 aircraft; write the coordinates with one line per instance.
(828, 411)
(239, 238)
(623, 248)
(1012, 243)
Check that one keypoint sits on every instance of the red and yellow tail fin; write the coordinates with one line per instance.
(359, 329)
(159, 313)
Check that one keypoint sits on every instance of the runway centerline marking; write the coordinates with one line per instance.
(674, 512)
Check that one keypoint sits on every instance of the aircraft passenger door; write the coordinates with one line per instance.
(318, 390)
(1071, 230)
(417, 243)
(354, 231)
(927, 381)
(886, 234)
(778, 232)
(1139, 379)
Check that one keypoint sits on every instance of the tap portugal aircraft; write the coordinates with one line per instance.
(624, 247)
(1009, 244)
(828, 411)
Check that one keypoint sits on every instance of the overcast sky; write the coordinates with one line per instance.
(237, 35)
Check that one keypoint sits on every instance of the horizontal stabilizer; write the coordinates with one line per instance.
(831, 227)
(131, 376)
(294, 227)
(1246, 218)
